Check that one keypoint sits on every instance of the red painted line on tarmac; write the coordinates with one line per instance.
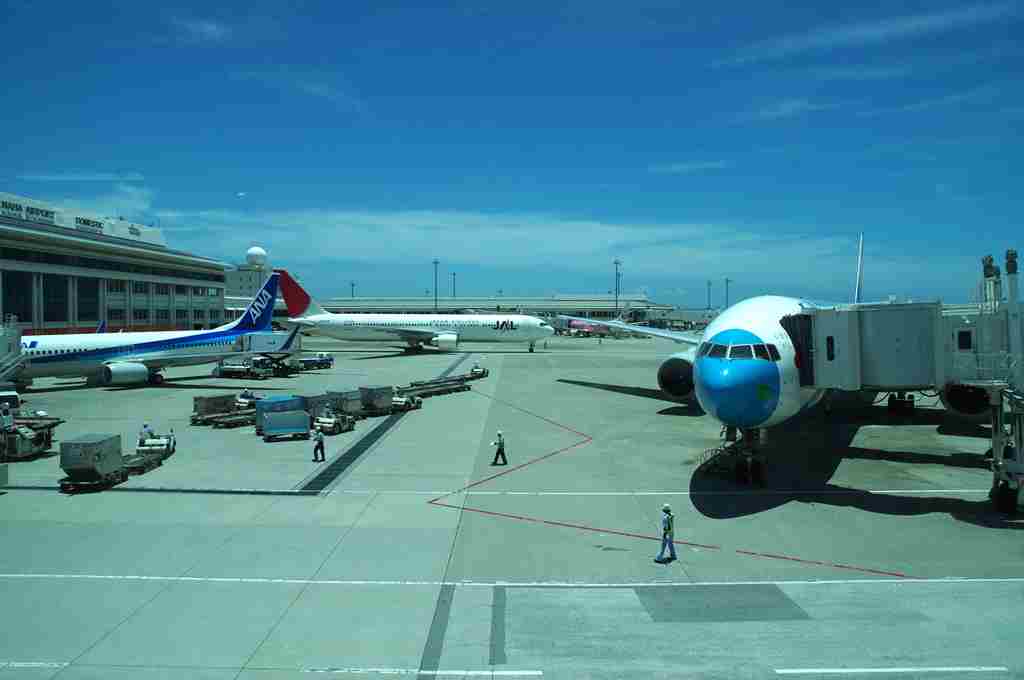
(568, 525)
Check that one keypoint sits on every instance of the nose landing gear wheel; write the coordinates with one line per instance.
(1005, 498)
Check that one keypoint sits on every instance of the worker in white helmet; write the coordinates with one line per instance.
(668, 522)
(500, 451)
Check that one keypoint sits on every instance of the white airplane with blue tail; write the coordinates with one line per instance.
(138, 357)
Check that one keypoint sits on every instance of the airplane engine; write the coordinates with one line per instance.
(967, 402)
(675, 376)
(446, 342)
(124, 373)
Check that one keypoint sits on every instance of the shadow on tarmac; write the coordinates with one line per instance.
(805, 453)
(623, 389)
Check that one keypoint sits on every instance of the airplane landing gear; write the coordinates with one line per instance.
(531, 346)
(742, 458)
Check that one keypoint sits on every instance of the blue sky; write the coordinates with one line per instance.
(526, 145)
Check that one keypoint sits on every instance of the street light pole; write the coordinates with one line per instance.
(435, 284)
(453, 284)
(618, 262)
(709, 293)
(353, 284)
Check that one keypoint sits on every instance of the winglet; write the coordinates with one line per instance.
(860, 270)
(299, 303)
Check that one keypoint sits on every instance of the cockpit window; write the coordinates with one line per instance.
(761, 352)
(741, 352)
(703, 349)
(718, 351)
(774, 351)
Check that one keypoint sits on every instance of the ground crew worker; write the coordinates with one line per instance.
(500, 452)
(145, 433)
(246, 393)
(6, 418)
(668, 522)
(318, 437)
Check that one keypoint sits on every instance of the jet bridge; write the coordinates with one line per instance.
(878, 347)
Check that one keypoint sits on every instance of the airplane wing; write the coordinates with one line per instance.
(683, 337)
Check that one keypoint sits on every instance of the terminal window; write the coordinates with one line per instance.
(18, 294)
(197, 292)
(161, 289)
(181, 314)
(140, 314)
(115, 286)
(115, 315)
(163, 315)
(181, 290)
(55, 297)
(141, 287)
(88, 299)
(198, 313)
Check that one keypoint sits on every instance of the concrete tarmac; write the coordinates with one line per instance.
(872, 552)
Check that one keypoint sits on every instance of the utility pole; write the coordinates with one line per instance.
(709, 293)
(353, 284)
(435, 284)
(453, 284)
(618, 263)
(727, 280)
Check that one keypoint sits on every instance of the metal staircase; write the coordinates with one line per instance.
(11, 357)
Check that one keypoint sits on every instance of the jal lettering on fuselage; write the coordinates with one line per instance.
(258, 305)
(507, 325)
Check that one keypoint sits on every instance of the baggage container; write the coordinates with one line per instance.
(286, 424)
(276, 405)
(221, 403)
(93, 458)
(377, 398)
(350, 402)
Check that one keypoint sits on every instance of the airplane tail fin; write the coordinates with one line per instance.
(299, 302)
(860, 270)
(258, 314)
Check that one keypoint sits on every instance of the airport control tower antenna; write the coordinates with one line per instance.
(453, 284)
(618, 263)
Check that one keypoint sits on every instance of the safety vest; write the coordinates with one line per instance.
(668, 523)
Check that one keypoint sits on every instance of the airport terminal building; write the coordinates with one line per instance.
(65, 272)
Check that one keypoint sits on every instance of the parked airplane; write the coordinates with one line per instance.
(444, 331)
(134, 358)
(745, 368)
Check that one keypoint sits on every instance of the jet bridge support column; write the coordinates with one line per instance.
(1007, 456)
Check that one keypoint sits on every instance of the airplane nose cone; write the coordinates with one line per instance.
(742, 393)
(549, 330)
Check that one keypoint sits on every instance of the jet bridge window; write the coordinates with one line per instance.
(830, 348)
(963, 340)
(741, 352)
(761, 352)
(718, 351)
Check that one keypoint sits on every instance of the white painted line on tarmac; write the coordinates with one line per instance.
(857, 671)
(507, 584)
(32, 664)
(769, 492)
(416, 671)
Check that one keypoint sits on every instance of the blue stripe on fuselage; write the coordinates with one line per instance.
(739, 392)
(107, 353)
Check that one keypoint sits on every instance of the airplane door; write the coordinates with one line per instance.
(799, 329)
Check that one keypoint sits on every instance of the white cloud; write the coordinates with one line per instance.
(123, 200)
(200, 30)
(241, 194)
(869, 32)
(977, 94)
(83, 177)
(784, 108)
(330, 87)
(860, 72)
(687, 168)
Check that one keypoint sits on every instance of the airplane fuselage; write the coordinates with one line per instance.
(757, 391)
(399, 327)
